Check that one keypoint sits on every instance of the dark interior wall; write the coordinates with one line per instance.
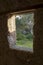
(38, 38)
(15, 5)
(3, 39)
(15, 57)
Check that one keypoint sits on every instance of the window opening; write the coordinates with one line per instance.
(20, 30)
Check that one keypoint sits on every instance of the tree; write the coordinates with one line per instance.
(24, 25)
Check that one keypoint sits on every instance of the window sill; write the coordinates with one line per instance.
(21, 48)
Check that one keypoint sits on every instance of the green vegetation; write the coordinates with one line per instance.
(24, 30)
(25, 43)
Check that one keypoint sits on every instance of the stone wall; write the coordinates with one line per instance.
(17, 5)
(15, 57)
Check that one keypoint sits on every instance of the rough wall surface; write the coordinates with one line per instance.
(10, 5)
(15, 57)
(38, 39)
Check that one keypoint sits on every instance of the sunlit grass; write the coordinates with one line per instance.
(25, 43)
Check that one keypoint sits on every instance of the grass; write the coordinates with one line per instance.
(25, 43)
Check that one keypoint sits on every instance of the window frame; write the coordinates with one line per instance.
(19, 47)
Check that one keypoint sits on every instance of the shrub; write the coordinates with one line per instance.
(29, 36)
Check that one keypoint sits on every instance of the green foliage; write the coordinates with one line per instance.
(29, 36)
(23, 29)
(25, 43)
(20, 36)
